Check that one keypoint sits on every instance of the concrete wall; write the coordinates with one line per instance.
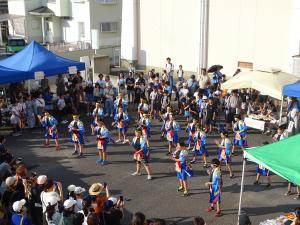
(169, 28)
(264, 32)
(101, 13)
(80, 13)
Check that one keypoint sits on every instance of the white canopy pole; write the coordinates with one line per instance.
(281, 107)
(242, 189)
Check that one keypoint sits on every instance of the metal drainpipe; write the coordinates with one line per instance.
(203, 43)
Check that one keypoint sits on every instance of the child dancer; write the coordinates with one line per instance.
(102, 142)
(76, 129)
(120, 102)
(239, 129)
(172, 129)
(121, 122)
(141, 154)
(225, 151)
(143, 107)
(262, 171)
(215, 187)
(191, 129)
(98, 112)
(182, 168)
(50, 123)
(200, 146)
(145, 125)
(165, 117)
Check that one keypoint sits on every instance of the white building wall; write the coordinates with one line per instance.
(263, 32)
(80, 13)
(101, 13)
(169, 28)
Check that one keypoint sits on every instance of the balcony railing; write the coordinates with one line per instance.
(67, 47)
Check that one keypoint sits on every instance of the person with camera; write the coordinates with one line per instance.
(35, 204)
(51, 190)
(112, 213)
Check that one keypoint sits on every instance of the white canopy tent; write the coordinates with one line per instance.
(268, 82)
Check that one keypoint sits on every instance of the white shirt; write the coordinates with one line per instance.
(169, 68)
(153, 95)
(61, 104)
(45, 199)
(180, 73)
(40, 102)
(183, 92)
(203, 80)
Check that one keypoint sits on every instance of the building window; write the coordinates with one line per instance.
(109, 27)
(51, 1)
(108, 1)
(81, 29)
(246, 65)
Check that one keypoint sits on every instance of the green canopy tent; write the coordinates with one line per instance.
(282, 158)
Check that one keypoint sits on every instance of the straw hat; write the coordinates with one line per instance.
(75, 117)
(96, 189)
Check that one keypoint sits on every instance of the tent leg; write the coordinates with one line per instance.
(242, 188)
(281, 108)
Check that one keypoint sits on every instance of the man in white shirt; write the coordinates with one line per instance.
(180, 73)
(204, 80)
(170, 70)
(109, 99)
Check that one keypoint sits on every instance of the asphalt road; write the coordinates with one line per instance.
(157, 198)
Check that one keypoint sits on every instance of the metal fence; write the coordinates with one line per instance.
(67, 47)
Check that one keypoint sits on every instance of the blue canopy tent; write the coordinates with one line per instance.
(8, 75)
(34, 58)
(292, 90)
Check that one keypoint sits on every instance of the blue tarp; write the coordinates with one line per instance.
(292, 90)
(8, 75)
(32, 59)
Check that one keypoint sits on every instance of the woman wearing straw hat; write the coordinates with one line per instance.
(141, 153)
(102, 142)
(50, 125)
(95, 191)
(215, 187)
(76, 129)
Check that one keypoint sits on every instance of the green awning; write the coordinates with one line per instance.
(282, 158)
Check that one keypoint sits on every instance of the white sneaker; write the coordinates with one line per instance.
(106, 115)
(149, 177)
(117, 141)
(136, 174)
(111, 115)
(124, 142)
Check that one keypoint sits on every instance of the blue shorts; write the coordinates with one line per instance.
(200, 152)
(182, 175)
(122, 130)
(263, 172)
(175, 139)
